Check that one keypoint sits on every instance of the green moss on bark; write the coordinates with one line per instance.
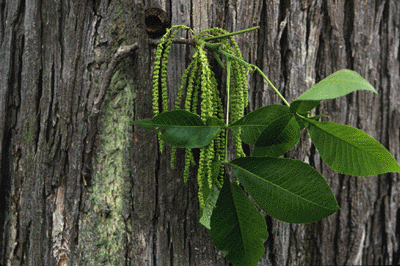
(104, 230)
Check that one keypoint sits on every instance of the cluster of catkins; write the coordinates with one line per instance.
(199, 94)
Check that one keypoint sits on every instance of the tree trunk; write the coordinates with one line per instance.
(80, 185)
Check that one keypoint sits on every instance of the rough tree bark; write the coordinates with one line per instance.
(79, 187)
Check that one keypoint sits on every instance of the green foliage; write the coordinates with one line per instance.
(286, 189)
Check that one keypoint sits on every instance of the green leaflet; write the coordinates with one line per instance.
(349, 150)
(210, 195)
(335, 85)
(184, 129)
(209, 205)
(272, 129)
(253, 124)
(278, 139)
(147, 123)
(237, 228)
(286, 189)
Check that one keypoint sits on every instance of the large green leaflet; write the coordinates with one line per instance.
(276, 143)
(210, 195)
(286, 189)
(237, 228)
(211, 199)
(338, 84)
(184, 129)
(272, 117)
(349, 150)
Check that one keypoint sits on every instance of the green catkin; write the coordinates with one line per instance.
(192, 69)
(160, 72)
(243, 84)
(220, 145)
(156, 77)
(156, 72)
(219, 142)
(236, 106)
(184, 81)
(166, 47)
(242, 72)
(196, 93)
(189, 91)
(237, 94)
(206, 101)
(196, 77)
(201, 174)
(188, 156)
(210, 158)
(208, 95)
(173, 155)
(221, 153)
(189, 160)
(164, 67)
(192, 162)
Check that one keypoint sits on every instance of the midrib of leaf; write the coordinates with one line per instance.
(313, 203)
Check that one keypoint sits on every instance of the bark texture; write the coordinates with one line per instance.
(79, 185)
